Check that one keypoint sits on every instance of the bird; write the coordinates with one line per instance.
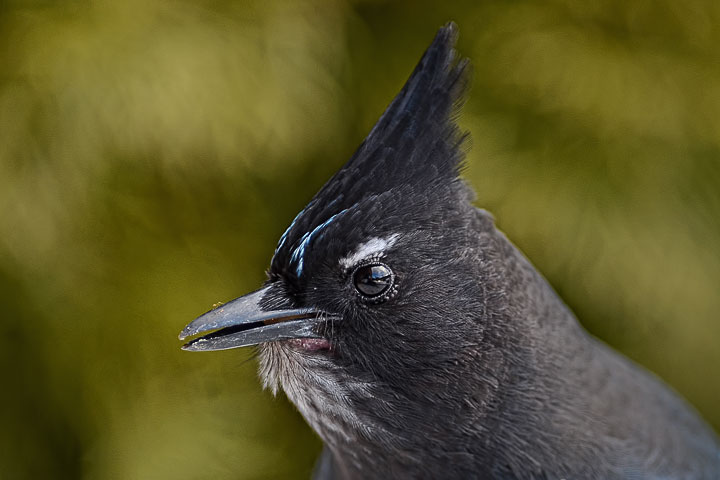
(418, 342)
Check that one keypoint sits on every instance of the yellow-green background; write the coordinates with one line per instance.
(152, 152)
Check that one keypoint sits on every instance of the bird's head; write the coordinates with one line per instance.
(374, 293)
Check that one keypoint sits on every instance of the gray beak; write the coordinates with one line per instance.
(243, 322)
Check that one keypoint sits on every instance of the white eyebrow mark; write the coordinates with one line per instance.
(371, 247)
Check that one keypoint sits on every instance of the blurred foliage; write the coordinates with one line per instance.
(151, 153)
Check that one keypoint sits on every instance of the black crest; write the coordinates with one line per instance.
(415, 146)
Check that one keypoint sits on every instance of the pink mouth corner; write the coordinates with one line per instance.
(310, 344)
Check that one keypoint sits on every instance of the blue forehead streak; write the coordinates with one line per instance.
(298, 254)
(283, 238)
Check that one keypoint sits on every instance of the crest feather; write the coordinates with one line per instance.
(415, 144)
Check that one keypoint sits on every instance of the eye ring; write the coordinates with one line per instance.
(374, 282)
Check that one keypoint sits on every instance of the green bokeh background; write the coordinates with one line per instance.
(152, 152)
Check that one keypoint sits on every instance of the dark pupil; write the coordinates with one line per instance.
(372, 280)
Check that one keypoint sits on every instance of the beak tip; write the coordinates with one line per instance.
(198, 345)
(185, 333)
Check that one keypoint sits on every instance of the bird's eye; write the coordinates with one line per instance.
(373, 280)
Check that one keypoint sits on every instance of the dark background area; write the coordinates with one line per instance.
(152, 152)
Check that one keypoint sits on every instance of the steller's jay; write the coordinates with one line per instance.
(418, 342)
